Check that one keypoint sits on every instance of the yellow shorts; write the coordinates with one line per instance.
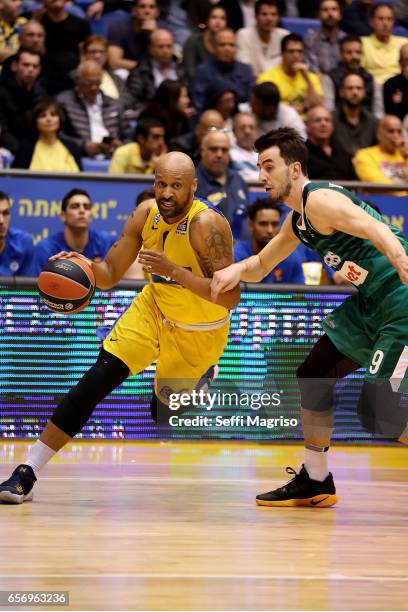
(141, 336)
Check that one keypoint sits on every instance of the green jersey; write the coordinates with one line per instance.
(355, 258)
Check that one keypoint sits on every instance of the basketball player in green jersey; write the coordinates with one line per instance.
(369, 329)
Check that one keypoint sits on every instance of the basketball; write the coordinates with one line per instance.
(66, 285)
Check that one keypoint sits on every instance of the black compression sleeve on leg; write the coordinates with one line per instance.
(318, 374)
(77, 406)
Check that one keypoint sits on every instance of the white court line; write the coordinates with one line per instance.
(173, 576)
(372, 483)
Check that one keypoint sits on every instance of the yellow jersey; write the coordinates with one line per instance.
(178, 304)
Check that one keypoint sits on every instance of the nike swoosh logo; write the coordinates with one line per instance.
(113, 339)
(319, 501)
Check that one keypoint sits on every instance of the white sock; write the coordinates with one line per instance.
(39, 455)
(316, 464)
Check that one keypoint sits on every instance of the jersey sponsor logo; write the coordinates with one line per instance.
(157, 218)
(331, 259)
(181, 229)
(354, 273)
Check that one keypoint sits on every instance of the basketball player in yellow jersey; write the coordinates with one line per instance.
(182, 242)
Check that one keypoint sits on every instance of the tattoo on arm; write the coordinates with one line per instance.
(216, 252)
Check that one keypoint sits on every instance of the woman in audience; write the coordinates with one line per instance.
(199, 47)
(46, 150)
(171, 104)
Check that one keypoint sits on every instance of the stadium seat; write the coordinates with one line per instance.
(101, 26)
(299, 25)
(95, 165)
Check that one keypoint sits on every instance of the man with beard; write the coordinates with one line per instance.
(182, 241)
(369, 329)
(354, 126)
(322, 45)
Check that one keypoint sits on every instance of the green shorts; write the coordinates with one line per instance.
(374, 333)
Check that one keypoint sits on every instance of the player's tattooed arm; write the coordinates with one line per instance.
(211, 239)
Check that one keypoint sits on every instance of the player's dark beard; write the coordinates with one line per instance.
(285, 191)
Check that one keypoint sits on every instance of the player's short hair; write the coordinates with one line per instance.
(4, 196)
(262, 204)
(71, 194)
(290, 143)
(293, 37)
(259, 3)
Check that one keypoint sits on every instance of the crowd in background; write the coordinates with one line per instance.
(119, 83)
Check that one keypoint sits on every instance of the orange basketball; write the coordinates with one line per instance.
(66, 285)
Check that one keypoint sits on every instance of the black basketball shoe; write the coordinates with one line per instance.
(19, 487)
(301, 491)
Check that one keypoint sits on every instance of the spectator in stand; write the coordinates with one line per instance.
(396, 89)
(264, 224)
(63, 33)
(356, 18)
(351, 51)
(76, 215)
(354, 127)
(47, 150)
(171, 104)
(326, 160)
(95, 47)
(129, 37)
(190, 143)
(16, 246)
(241, 13)
(242, 152)
(222, 99)
(223, 68)
(381, 49)
(260, 45)
(94, 121)
(298, 87)
(31, 37)
(219, 183)
(322, 45)
(270, 112)
(386, 162)
(10, 26)
(200, 46)
(140, 156)
(159, 64)
(19, 96)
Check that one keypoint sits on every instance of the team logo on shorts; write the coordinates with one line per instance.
(181, 229)
(331, 259)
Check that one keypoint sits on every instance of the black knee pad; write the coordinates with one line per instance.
(380, 410)
(76, 407)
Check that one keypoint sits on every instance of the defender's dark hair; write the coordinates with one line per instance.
(259, 3)
(262, 204)
(71, 194)
(291, 145)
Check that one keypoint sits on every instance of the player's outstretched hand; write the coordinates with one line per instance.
(68, 255)
(401, 266)
(155, 262)
(224, 280)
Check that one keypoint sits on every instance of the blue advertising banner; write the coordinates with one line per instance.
(37, 198)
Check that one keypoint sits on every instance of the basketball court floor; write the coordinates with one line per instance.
(174, 526)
